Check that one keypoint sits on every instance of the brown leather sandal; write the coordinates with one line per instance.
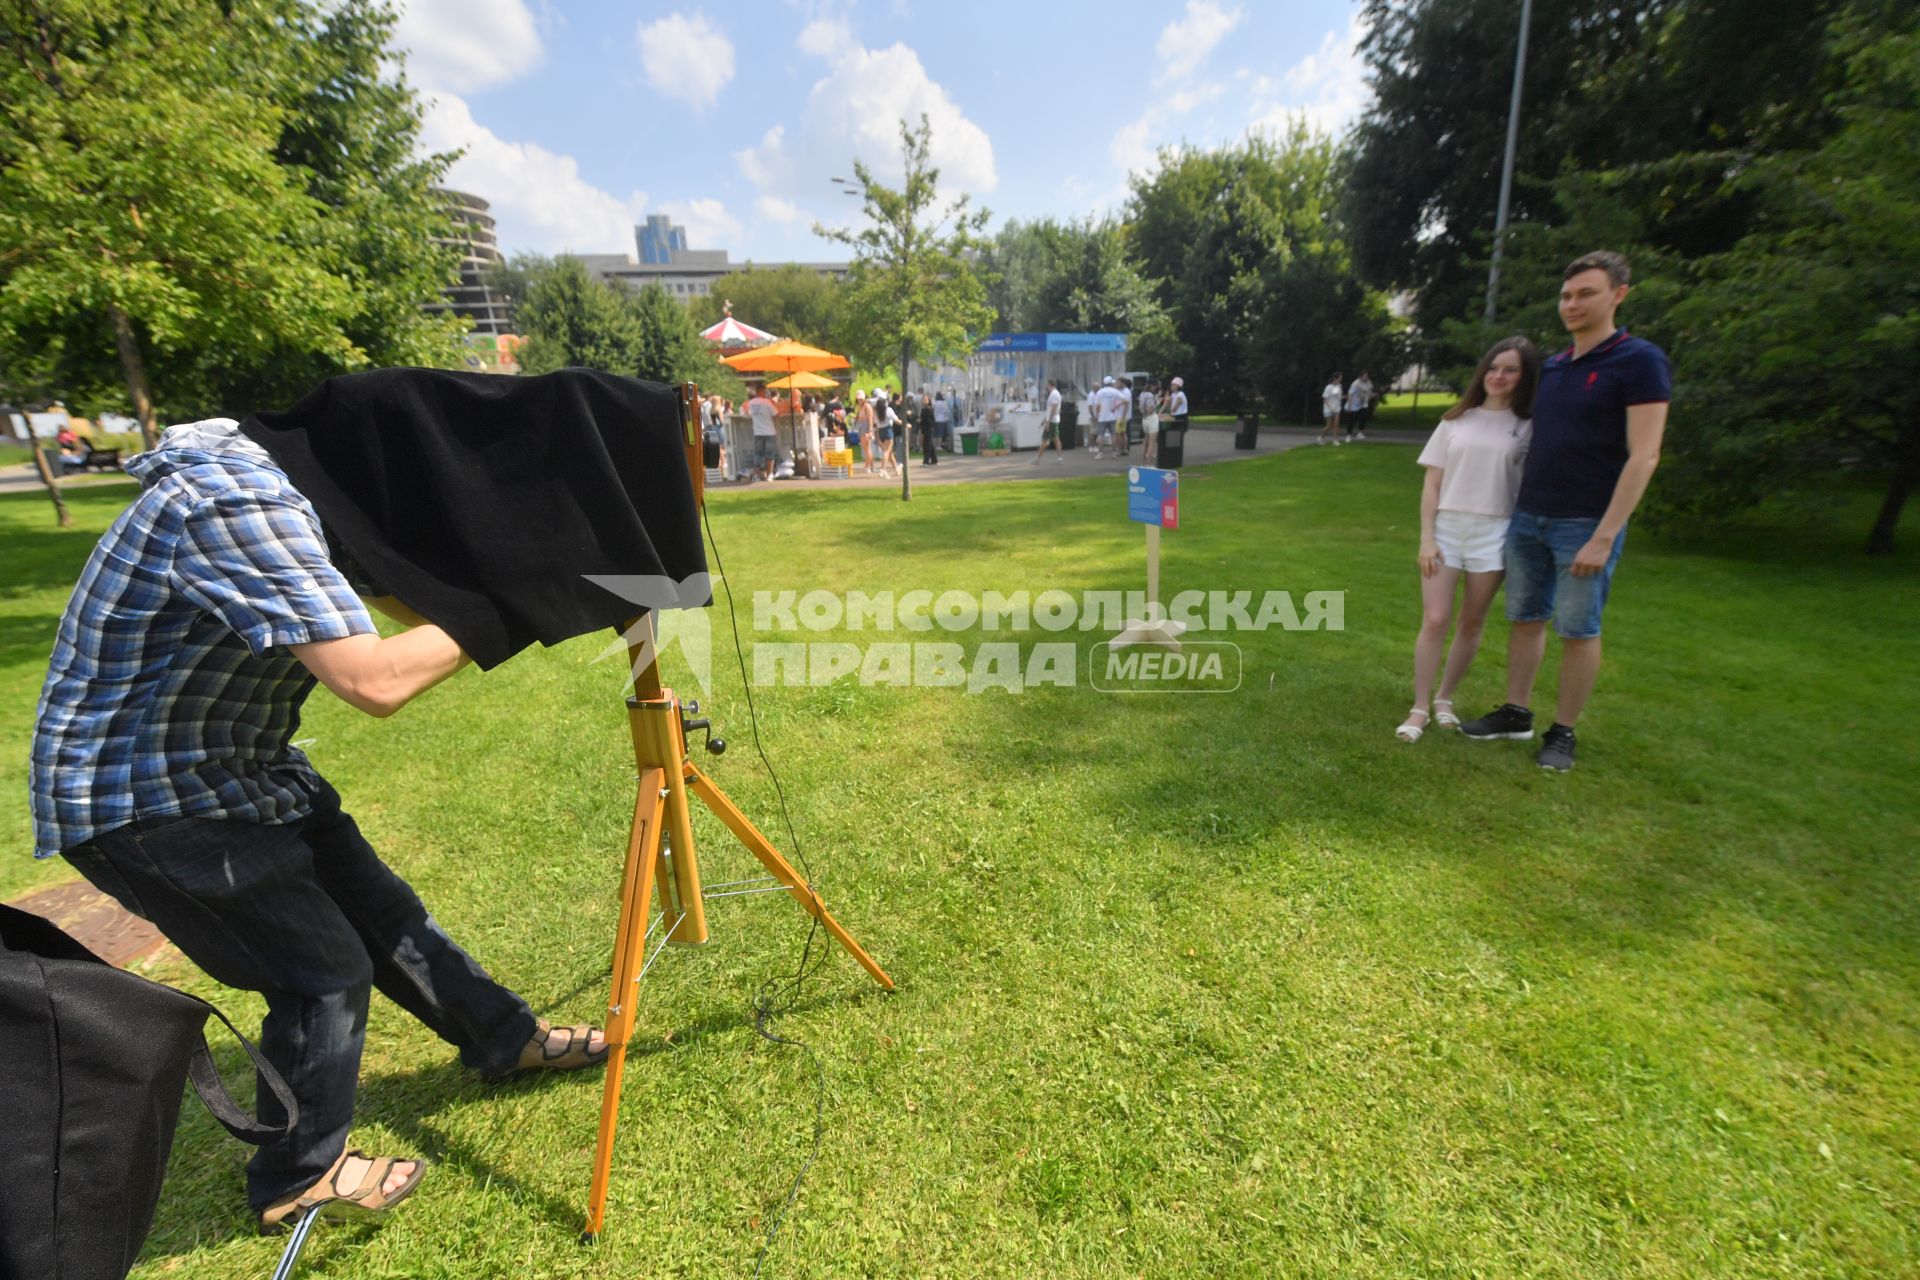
(572, 1053)
(335, 1200)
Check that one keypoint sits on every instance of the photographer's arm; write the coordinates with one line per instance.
(379, 675)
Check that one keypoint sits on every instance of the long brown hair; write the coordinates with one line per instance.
(1476, 392)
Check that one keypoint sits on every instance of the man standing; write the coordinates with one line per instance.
(1123, 415)
(928, 422)
(1106, 404)
(1598, 419)
(943, 421)
(766, 437)
(163, 768)
(1359, 407)
(1050, 426)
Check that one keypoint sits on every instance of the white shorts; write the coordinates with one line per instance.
(1151, 424)
(1471, 541)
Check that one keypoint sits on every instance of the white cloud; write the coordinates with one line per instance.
(464, 45)
(774, 209)
(1135, 148)
(1327, 88)
(539, 199)
(855, 112)
(1185, 42)
(708, 224)
(825, 37)
(686, 58)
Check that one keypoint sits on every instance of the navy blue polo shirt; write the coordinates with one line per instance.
(1579, 442)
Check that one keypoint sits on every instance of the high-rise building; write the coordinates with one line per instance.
(658, 238)
(471, 296)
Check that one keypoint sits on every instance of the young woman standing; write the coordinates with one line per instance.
(1473, 464)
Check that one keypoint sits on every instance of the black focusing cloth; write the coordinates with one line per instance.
(482, 502)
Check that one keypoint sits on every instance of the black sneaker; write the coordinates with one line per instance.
(1556, 748)
(1506, 721)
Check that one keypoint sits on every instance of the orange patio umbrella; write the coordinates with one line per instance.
(804, 381)
(785, 356)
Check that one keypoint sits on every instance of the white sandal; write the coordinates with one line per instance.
(1443, 714)
(1409, 731)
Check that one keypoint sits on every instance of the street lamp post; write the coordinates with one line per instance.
(1506, 170)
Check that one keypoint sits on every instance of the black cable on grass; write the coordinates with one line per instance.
(766, 1006)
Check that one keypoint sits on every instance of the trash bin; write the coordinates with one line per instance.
(1173, 443)
(1248, 436)
(970, 443)
(1069, 426)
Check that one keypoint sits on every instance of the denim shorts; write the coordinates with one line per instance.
(1540, 581)
(764, 448)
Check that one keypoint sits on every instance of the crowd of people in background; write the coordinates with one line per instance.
(875, 423)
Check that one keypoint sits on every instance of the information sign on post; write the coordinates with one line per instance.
(1153, 499)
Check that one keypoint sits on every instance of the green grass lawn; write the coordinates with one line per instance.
(1189, 986)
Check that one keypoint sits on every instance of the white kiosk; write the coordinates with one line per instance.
(1003, 385)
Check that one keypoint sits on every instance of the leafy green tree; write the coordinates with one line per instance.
(139, 191)
(1800, 343)
(1645, 89)
(353, 130)
(569, 319)
(913, 290)
(1249, 246)
(790, 300)
(667, 346)
(1020, 260)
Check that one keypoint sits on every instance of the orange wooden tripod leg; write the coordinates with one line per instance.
(629, 958)
(657, 739)
(761, 848)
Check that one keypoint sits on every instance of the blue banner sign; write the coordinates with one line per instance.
(1054, 342)
(1153, 496)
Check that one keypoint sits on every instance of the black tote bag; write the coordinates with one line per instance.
(92, 1063)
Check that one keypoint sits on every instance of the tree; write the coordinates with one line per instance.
(1017, 264)
(1802, 340)
(1645, 89)
(141, 193)
(353, 130)
(1249, 246)
(913, 290)
(210, 203)
(667, 346)
(570, 319)
(791, 301)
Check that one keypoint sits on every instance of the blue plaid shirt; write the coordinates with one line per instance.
(172, 690)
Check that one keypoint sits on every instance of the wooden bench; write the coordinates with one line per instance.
(101, 460)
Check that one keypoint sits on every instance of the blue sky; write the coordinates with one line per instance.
(578, 119)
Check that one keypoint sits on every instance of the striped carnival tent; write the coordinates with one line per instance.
(732, 335)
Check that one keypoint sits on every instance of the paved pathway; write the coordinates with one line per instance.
(1204, 444)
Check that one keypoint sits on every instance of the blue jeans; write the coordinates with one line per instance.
(306, 914)
(1540, 579)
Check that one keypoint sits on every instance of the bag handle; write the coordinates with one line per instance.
(213, 1090)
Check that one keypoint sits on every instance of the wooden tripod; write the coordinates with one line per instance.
(662, 864)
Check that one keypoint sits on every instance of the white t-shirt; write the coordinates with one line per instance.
(1106, 403)
(1177, 404)
(1330, 397)
(761, 410)
(1149, 404)
(1053, 405)
(1481, 453)
(1358, 395)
